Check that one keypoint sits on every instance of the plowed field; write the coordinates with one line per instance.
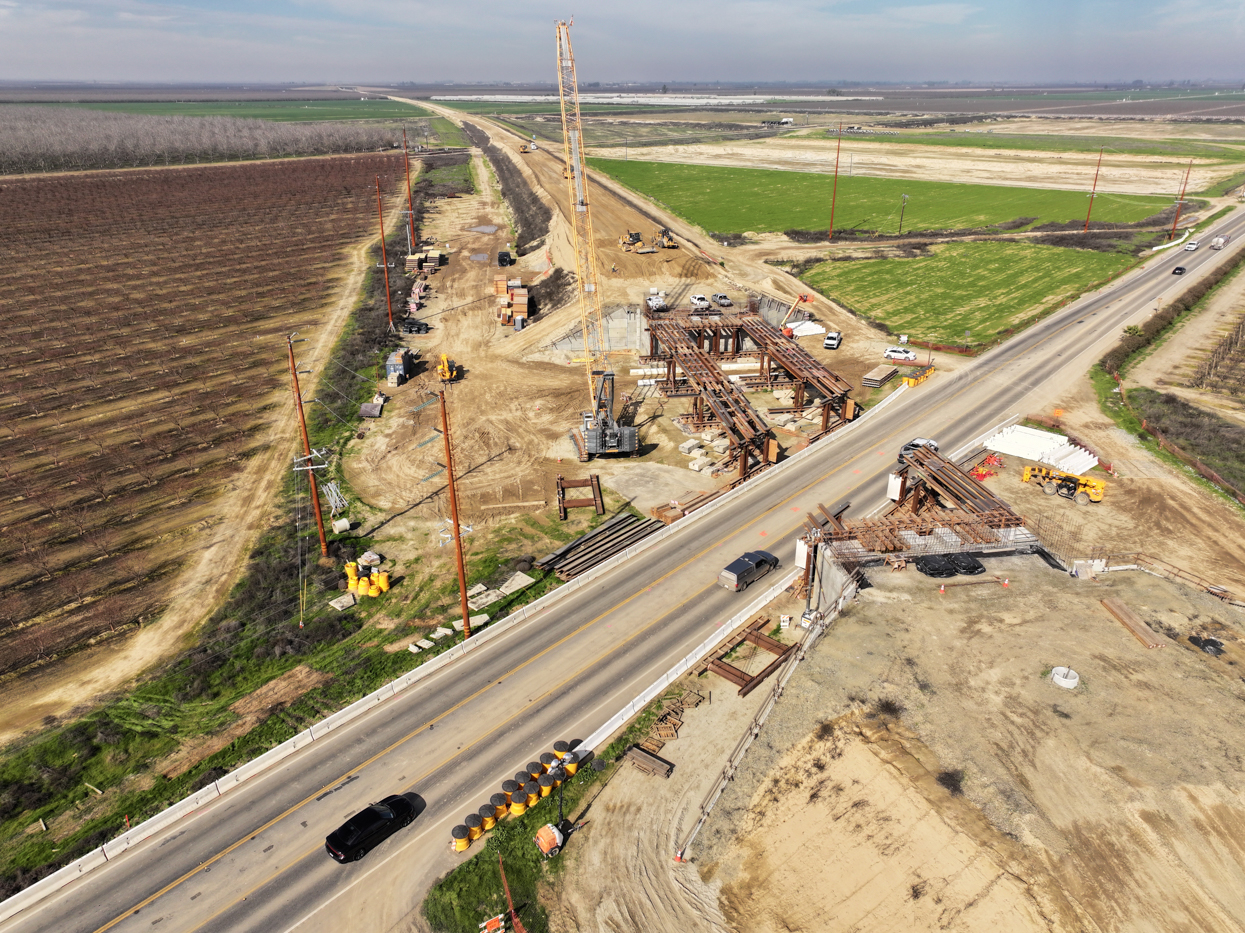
(144, 322)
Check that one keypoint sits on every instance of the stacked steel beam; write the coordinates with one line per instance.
(598, 545)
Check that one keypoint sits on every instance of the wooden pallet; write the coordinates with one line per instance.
(648, 762)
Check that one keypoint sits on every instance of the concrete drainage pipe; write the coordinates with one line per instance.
(1065, 677)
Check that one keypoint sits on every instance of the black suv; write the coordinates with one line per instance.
(505, 259)
(369, 828)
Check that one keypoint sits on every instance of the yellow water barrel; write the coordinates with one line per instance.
(546, 785)
(373, 590)
(352, 569)
(533, 792)
(489, 816)
(509, 789)
(535, 769)
(382, 580)
(518, 805)
(500, 803)
(460, 836)
(547, 761)
(570, 761)
(560, 748)
(475, 826)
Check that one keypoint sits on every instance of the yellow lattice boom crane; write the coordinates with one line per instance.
(600, 433)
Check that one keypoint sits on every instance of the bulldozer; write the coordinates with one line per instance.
(448, 370)
(1080, 489)
(665, 239)
(628, 240)
(529, 147)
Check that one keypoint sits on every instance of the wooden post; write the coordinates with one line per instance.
(302, 423)
(1180, 203)
(384, 258)
(834, 194)
(458, 538)
(1094, 191)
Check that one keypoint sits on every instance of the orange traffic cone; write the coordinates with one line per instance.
(941, 588)
(1005, 581)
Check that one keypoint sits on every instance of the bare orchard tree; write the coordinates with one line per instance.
(53, 139)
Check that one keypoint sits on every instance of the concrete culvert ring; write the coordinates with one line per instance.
(1065, 677)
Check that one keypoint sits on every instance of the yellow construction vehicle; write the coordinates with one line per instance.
(448, 370)
(665, 239)
(529, 147)
(628, 240)
(1080, 489)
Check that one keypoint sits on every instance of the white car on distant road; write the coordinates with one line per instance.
(900, 353)
(1191, 246)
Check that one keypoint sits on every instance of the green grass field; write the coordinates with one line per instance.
(979, 287)
(736, 200)
(978, 139)
(448, 133)
(281, 111)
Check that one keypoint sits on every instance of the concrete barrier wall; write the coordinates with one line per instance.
(145, 830)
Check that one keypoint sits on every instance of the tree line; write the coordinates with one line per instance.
(57, 139)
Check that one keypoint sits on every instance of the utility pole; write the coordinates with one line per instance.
(902, 206)
(410, 208)
(302, 423)
(384, 258)
(458, 538)
(1180, 203)
(834, 194)
(1093, 192)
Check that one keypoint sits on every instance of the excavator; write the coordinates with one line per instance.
(448, 370)
(665, 239)
(1080, 489)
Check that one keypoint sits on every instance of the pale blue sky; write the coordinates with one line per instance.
(674, 40)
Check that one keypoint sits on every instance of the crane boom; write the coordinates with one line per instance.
(590, 314)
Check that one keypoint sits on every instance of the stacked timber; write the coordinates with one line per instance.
(597, 546)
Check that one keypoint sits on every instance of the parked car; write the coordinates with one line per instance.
(900, 353)
(1179, 270)
(935, 565)
(833, 340)
(656, 303)
(915, 444)
(700, 303)
(505, 259)
(1191, 246)
(369, 828)
(414, 327)
(721, 300)
(740, 573)
(966, 564)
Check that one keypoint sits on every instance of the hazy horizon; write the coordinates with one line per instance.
(328, 42)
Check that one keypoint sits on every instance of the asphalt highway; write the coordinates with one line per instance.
(253, 860)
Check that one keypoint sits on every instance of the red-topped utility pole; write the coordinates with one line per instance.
(1180, 203)
(410, 210)
(384, 257)
(1094, 191)
(458, 538)
(311, 473)
(834, 194)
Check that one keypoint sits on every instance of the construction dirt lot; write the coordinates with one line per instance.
(922, 771)
(519, 397)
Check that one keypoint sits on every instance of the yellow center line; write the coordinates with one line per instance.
(358, 768)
